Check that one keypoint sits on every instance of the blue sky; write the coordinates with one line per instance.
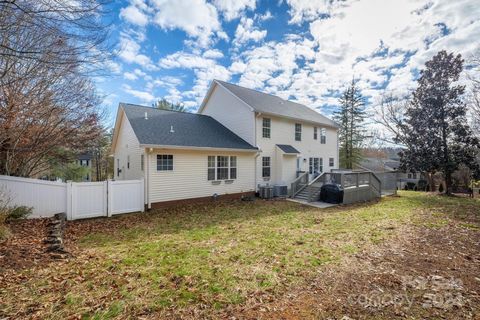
(302, 50)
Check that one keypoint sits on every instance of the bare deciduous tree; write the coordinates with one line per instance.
(47, 103)
(79, 23)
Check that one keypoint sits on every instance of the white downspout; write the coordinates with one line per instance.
(257, 178)
(149, 200)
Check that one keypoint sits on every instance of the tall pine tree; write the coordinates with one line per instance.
(351, 119)
(436, 132)
(164, 104)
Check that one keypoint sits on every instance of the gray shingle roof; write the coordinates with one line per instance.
(287, 148)
(190, 130)
(379, 165)
(267, 103)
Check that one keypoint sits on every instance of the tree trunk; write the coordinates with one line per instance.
(431, 181)
(448, 182)
(446, 165)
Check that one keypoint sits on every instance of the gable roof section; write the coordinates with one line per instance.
(189, 129)
(270, 104)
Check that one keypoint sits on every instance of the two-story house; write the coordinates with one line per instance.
(239, 140)
(290, 136)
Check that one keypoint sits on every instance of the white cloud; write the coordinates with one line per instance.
(266, 16)
(232, 9)
(130, 76)
(137, 73)
(308, 10)
(197, 18)
(144, 96)
(134, 15)
(237, 67)
(213, 54)
(247, 32)
(185, 60)
(205, 70)
(379, 42)
(130, 53)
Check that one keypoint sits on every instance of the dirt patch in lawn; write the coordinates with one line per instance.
(424, 272)
(414, 256)
(24, 248)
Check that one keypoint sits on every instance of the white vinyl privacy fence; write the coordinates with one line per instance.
(78, 200)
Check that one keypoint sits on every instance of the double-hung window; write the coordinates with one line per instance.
(211, 167)
(298, 132)
(222, 168)
(266, 168)
(266, 127)
(315, 133)
(323, 135)
(164, 162)
(331, 162)
(233, 167)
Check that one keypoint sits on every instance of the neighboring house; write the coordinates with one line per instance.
(238, 140)
(85, 160)
(379, 165)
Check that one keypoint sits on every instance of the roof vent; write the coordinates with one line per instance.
(171, 129)
(146, 115)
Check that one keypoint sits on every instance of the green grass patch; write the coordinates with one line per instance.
(219, 254)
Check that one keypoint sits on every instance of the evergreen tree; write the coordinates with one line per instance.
(351, 119)
(167, 105)
(435, 131)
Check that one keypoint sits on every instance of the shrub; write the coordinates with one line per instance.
(422, 184)
(410, 186)
(8, 213)
(19, 212)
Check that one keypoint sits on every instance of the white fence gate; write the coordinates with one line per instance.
(79, 200)
(87, 200)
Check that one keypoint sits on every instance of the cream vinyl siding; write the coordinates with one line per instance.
(189, 176)
(283, 132)
(127, 146)
(227, 109)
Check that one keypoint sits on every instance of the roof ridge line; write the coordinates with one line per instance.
(158, 109)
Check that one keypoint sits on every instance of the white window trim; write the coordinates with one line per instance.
(269, 166)
(215, 167)
(156, 164)
(323, 136)
(269, 128)
(299, 131)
